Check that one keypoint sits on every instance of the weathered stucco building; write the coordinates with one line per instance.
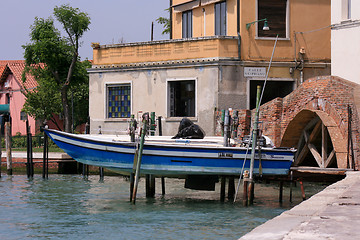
(218, 53)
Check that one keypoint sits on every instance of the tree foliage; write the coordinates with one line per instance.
(165, 22)
(54, 61)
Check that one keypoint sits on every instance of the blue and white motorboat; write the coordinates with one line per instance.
(163, 156)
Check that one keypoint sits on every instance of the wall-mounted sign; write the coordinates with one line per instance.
(254, 72)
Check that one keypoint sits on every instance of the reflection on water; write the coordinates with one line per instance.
(70, 207)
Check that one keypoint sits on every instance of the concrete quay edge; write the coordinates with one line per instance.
(38, 155)
(333, 213)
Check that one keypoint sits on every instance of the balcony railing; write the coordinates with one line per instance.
(218, 47)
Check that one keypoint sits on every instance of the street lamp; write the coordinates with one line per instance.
(265, 28)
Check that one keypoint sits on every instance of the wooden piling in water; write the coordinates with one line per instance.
(45, 173)
(139, 155)
(152, 186)
(291, 185)
(163, 186)
(222, 189)
(245, 191)
(29, 164)
(149, 186)
(281, 186)
(131, 185)
(101, 173)
(8, 148)
(231, 188)
(0, 154)
(302, 190)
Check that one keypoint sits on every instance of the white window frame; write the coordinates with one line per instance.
(167, 105)
(106, 107)
(287, 28)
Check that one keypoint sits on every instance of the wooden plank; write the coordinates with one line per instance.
(315, 153)
(330, 159)
(315, 131)
(323, 145)
(301, 157)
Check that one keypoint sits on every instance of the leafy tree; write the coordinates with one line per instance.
(62, 70)
(166, 22)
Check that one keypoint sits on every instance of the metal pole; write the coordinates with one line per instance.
(254, 142)
(226, 128)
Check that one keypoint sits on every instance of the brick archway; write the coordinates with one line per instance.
(335, 102)
(318, 139)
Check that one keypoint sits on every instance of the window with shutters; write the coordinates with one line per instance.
(187, 24)
(220, 18)
(277, 13)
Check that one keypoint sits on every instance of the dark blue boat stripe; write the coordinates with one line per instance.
(151, 150)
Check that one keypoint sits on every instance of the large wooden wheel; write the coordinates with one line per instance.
(315, 144)
(318, 139)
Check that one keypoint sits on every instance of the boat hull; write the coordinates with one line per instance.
(171, 160)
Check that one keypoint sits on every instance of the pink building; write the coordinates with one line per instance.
(11, 92)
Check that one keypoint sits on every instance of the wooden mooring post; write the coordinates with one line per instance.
(291, 185)
(281, 187)
(231, 188)
(222, 189)
(29, 155)
(302, 190)
(8, 148)
(150, 186)
(245, 186)
(0, 152)
(163, 186)
(143, 131)
(45, 173)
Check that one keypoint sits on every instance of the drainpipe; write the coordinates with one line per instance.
(238, 16)
(171, 16)
(238, 28)
(239, 46)
(204, 21)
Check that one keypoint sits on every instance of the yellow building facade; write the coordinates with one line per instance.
(218, 52)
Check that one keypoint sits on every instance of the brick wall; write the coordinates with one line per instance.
(331, 95)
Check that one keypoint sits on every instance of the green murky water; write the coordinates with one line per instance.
(70, 207)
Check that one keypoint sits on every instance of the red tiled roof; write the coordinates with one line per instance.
(16, 67)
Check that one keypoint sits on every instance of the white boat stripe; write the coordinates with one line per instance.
(166, 152)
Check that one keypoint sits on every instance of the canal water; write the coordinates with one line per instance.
(71, 207)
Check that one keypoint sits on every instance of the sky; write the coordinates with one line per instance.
(111, 22)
